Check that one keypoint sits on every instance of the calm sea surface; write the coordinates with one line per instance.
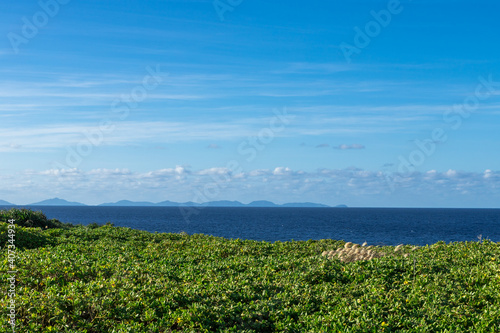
(379, 226)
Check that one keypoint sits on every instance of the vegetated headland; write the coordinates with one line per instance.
(101, 278)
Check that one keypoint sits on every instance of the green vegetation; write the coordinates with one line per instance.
(28, 218)
(109, 279)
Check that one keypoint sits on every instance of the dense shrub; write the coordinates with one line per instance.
(25, 238)
(27, 218)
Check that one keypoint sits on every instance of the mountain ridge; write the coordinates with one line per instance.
(219, 203)
(168, 203)
(56, 202)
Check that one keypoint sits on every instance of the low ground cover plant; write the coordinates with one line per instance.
(113, 279)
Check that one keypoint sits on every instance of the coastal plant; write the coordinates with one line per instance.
(25, 238)
(113, 279)
(28, 218)
(351, 252)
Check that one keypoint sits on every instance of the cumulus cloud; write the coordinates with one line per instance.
(259, 172)
(214, 171)
(351, 146)
(282, 171)
(323, 145)
(106, 172)
(353, 186)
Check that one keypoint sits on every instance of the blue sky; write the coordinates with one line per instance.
(365, 103)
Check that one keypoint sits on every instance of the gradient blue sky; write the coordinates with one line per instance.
(422, 87)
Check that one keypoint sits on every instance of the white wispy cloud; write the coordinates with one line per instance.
(124, 133)
(315, 68)
(349, 146)
(50, 136)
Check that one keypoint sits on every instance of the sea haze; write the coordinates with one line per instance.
(378, 226)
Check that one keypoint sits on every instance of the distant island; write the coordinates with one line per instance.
(220, 203)
(56, 202)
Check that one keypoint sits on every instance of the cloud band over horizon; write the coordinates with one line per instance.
(354, 187)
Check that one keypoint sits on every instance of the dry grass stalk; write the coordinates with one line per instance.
(354, 252)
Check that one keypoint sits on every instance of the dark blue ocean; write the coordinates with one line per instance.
(378, 226)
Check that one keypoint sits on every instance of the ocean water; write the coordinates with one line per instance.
(377, 226)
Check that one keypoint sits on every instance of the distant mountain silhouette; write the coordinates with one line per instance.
(224, 203)
(304, 204)
(167, 203)
(220, 203)
(262, 203)
(56, 202)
